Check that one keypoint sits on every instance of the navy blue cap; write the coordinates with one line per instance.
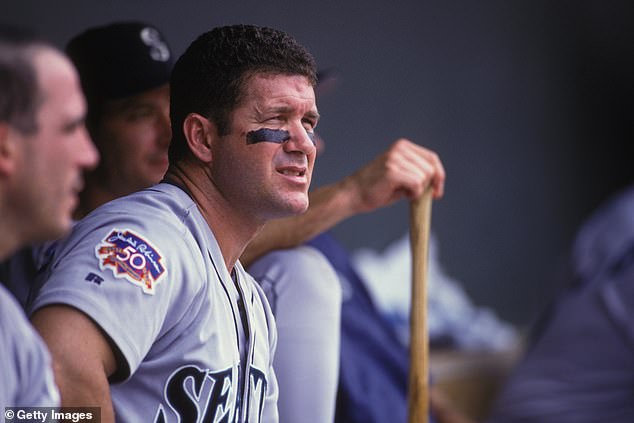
(120, 60)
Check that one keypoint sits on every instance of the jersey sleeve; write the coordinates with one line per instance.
(122, 273)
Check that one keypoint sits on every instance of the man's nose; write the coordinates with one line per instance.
(301, 140)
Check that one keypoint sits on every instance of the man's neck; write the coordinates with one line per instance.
(232, 229)
(15, 234)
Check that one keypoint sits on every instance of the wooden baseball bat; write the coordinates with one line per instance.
(418, 393)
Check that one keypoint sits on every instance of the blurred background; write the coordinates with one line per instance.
(528, 103)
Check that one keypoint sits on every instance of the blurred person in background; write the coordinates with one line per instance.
(44, 148)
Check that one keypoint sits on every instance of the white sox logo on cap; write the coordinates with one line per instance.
(158, 49)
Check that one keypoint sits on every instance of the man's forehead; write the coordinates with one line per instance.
(152, 97)
(265, 87)
(59, 85)
(52, 66)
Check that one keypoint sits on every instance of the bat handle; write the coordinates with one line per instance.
(418, 392)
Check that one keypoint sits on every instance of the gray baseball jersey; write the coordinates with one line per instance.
(197, 341)
(25, 365)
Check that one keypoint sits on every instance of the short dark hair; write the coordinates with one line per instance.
(209, 77)
(20, 95)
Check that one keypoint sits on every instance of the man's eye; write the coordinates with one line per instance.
(139, 114)
(69, 129)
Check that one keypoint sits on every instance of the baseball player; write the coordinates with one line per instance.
(43, 150)
(124, 68)
(146, 309)
(356, 368)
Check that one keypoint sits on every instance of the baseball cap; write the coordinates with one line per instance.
(120, 60)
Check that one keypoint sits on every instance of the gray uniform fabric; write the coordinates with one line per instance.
(305, 295)
(26, 375)
(197, 342)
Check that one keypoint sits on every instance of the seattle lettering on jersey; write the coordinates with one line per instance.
(200, 396)
(132, 258)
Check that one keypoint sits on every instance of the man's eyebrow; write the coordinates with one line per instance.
(313, 114)
(74, 123)
(286, 109)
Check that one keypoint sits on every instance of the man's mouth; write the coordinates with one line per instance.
(292, 172)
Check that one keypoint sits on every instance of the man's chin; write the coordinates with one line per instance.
(292, 208)
(299, 207)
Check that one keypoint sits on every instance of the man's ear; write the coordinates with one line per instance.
(199, 132)
(7, 149)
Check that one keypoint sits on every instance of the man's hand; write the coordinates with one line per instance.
(403, 171)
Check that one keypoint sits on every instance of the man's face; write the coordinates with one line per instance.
(55, 156)
(265, 163)
(133, 138)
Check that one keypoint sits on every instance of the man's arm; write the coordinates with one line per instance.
(82, 357)
(403, 171)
